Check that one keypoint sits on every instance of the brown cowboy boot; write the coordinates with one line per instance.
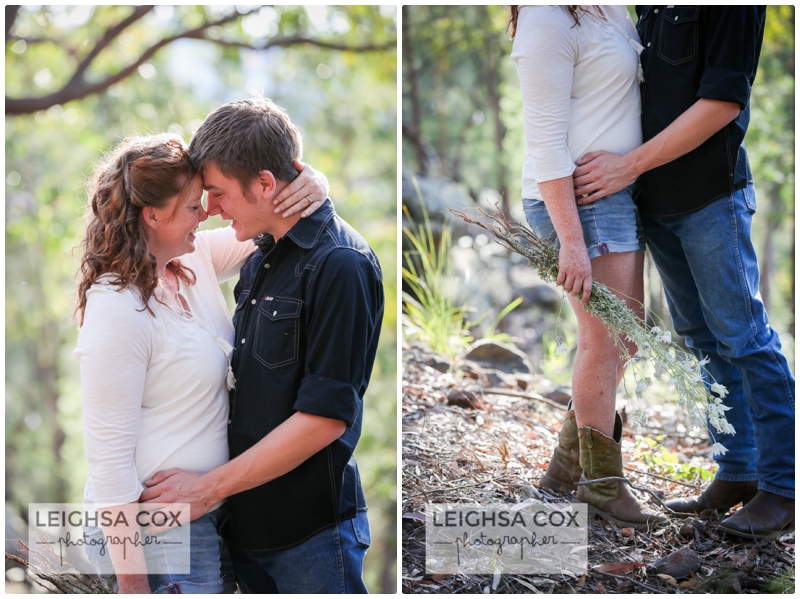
(720, 495)
(564, 467)
(601, 457)
(766, 516)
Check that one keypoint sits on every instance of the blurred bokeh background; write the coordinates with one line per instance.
(79, 79)
(463, 139)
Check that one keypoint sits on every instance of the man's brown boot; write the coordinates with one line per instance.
(767, 516)
(564, 468)
(601, 457)
(720, 495)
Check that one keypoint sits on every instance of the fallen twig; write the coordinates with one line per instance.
(666, 478)
(652, 589)
(534, 396)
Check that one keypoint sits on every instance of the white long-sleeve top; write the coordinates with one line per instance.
(579, 89)
(154, 393)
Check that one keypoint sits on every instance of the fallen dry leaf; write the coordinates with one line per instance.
(414, 516)
(668, 579)
(619, 567)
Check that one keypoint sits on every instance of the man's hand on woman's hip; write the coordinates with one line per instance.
(600, 174)
(180, 486)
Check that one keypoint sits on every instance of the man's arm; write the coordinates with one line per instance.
(281, 451)
(346, 307)
(603, 173)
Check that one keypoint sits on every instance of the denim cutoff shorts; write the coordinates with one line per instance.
(211, 567)
(611, 224)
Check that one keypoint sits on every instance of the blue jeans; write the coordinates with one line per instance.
(210, 562)
(708, 266)
(329, 562)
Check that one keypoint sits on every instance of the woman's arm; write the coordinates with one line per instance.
(545, 51)
(309, 190)
(130, 565)
(574, 267)
(114, 351)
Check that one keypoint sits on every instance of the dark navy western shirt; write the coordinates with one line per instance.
(308, 316)
(693, 52)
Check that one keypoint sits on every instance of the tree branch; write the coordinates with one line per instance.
(77, 87)
(299, 40)
(109, 36)
(30, 41)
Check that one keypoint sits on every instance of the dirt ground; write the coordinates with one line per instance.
(465, 445)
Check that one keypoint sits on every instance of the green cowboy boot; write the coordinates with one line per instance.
(601, 457)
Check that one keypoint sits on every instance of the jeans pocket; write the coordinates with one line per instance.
(539, 220)
(277, 340)
(361, 529)
(749, 198)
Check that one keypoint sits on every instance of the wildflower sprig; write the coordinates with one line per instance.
(627, 329)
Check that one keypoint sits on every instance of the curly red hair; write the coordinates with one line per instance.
(141, 171)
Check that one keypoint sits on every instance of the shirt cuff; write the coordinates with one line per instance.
(554, 174)
(328, 398)
(725, 85)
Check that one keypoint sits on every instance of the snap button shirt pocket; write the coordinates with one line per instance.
(678, 39)
(237, 313)
(277, 339)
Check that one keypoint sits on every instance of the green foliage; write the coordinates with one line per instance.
(557, 365)
(770, 145)
(430, 312)
(471, 112)
(783, 584)
(502, 337)
(347, 114)
(662, 461)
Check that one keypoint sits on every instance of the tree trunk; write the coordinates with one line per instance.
(491, 76)
(413, 128)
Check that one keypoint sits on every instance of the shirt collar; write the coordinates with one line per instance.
(306, 231)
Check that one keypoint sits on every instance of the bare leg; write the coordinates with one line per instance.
(598, 367)
(635, 302)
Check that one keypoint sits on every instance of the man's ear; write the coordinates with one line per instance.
(149, 217)
(267, 183)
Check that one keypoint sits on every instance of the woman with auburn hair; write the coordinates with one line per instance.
(579, 75)
(154, 351)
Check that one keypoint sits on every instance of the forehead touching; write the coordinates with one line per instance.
(213, 179)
